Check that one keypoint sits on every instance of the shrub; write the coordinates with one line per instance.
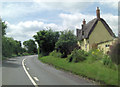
(55, 54)
(115, 52)
(77, 55)
(97, 54)
(94, 55)
(106, 60)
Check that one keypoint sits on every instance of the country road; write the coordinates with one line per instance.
(28, 70)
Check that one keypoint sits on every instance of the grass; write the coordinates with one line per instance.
(95, 71)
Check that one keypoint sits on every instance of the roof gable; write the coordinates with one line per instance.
(89, 27)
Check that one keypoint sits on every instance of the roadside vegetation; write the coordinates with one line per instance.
(46, 40)
(60, 49)
(13, 48)
(66, 55)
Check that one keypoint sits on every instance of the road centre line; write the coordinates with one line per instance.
(33, 82)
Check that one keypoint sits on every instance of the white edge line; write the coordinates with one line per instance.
(27, 68)
(36, 78)
(33, 82)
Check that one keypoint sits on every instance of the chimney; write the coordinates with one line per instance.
(84, 22)
(98, 13)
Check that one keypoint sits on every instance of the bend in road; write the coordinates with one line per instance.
(41, 74)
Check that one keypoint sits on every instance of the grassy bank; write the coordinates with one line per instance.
(95, 71)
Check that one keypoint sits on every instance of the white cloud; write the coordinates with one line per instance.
(19, 9)
(74, 21)
(25, 30)
(64, 6)
(110, 3)
(65, 3)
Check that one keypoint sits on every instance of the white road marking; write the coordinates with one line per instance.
(33, 82)
(36, 78)
(27, 68)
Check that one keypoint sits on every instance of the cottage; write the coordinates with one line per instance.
(95, 33)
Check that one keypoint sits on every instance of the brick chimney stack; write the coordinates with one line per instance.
(84, 22)
(98, 13)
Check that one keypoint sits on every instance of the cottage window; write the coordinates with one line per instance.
(82, 33)
(107, 45)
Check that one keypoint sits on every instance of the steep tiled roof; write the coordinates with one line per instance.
(89, 27)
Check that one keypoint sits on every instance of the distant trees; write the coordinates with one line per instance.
(4, 26)
(10, 46)
(46, 40)
(30, 46)
(66, 43)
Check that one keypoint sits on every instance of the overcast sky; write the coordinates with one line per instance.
(24, 19)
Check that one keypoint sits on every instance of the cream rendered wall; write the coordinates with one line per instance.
(84, 45)
(99, 34)
(103, 46)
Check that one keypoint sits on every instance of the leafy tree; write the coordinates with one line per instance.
(4, 26)
(10, 46)
(17, 47)
(66, 43)
(30, 46)
(46, 40)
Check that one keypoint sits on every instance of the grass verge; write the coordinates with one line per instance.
(94, 71)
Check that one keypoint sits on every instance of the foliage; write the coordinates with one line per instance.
(10, 46)
(94, 55)
(55, 54)
(25, 54)
(95, 71)
(66, 43)
(30, 46)
(106, 60)
(4, 26)
(115, 52)
(46, 40)
(77, 56)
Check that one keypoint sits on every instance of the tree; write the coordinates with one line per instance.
(46, 40)
(66, 43)
(4, 26)
(30, 46)
(10, 46)
(18, 47)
